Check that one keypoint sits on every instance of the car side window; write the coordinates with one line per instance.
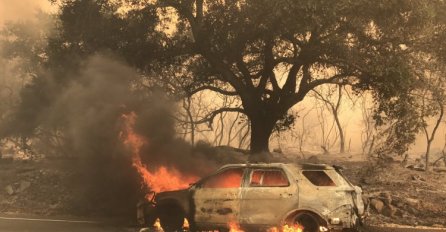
(268, 178)
(229, 178)
(318, 178)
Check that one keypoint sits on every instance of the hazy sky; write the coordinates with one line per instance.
(21, 9)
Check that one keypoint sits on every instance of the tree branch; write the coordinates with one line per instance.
(299, 96)
(290, 84)
(214, 89)
(245, 72)
(210, 117)
(268, 67)
(199, 7)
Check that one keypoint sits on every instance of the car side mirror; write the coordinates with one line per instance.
(196, 185)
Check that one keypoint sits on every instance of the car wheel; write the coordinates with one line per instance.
(308, 221)
(171, 218)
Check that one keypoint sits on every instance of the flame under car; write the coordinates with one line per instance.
(259, 197)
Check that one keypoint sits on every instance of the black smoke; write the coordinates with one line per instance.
(86, 110)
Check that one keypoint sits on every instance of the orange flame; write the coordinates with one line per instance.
(186, 225)
(162, 178)
(294, 228)
(235, 227)
(287, 228)
(157, 225)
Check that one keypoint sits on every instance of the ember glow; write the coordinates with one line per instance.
(157, 225)
(162, 178)
(186, 224)
(295, 228)
(287, 228)
(234, 227)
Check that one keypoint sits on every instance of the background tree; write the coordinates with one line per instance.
(332, 99)
(432, 98)
(442, 155)
(369, 132)
(22, 54)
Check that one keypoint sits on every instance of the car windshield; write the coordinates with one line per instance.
(230, 178)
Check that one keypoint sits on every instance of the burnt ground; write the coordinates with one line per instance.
(396, 195)
(50, 188)
(37, 188)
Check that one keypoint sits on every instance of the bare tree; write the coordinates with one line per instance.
(332, 99)
(368, 134)
(187, 106)
(225, 128)
(301, 134)
(442, 155)
(435, 100)
(192, 107)
(326, 128)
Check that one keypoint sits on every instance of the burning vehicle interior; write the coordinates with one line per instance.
(261, 197)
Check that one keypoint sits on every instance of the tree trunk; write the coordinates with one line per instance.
(372, 144)
(428, 167)
(187, 107)
(261, 129)
(341, 132)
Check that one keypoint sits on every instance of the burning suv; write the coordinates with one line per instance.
(263, 197)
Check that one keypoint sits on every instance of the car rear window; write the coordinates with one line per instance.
(268, 178)
(230, 178)
(318, 178)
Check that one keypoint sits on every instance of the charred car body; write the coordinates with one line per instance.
(260, 196)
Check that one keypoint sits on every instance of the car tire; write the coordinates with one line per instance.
(171, 218)
(308, 221)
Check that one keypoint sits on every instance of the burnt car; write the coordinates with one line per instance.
(258, 197)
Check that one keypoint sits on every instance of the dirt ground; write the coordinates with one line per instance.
(36, 188)
(395, 194)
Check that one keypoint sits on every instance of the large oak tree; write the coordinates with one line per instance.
(271, 54)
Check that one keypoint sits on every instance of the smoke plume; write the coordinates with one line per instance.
(85, 110)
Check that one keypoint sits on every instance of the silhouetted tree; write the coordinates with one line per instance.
(270, 54)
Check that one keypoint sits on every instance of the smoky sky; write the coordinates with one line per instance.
(23, 9)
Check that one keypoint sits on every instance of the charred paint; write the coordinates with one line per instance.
(270, 206)
(224, 211)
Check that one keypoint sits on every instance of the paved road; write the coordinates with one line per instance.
(402, 229)
(14, 224)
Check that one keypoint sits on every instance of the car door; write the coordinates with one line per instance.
(217, 198)
(267, 196)
(327, 192)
